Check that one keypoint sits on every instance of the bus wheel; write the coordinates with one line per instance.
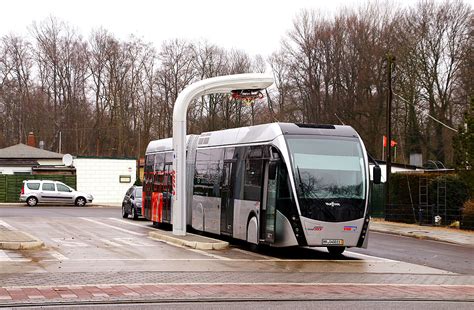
(336, 250)
(252, 232)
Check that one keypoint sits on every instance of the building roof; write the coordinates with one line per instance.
(13, 162)
(23, 151)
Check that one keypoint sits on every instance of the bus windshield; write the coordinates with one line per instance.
(330, 176)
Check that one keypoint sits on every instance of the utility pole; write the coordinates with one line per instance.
(390, 63)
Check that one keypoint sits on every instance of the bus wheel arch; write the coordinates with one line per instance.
(252, 229)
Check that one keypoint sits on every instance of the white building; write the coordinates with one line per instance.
(106, 179)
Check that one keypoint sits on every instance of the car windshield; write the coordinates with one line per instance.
(328, 168)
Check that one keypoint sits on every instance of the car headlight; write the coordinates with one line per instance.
(138, 204)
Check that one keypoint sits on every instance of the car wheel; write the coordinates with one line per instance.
(32, 201)
(124, 213)
(80, 202)
(134, 213)
(336, 250)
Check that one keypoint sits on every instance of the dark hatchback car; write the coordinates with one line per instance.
(132, 202)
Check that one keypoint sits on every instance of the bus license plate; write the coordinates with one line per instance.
(333, 242)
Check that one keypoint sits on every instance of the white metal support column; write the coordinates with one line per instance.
(221, 84)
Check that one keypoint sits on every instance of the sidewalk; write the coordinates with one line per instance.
(165, 292)
(13, 239)
(451, 235)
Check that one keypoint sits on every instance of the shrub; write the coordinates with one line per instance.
(457, 192)
(405, 197)
(467, 221)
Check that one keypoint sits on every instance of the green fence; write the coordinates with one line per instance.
(10, 185)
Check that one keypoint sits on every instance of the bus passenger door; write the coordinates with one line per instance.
(227, 207)
(167, 192)
(268, 210)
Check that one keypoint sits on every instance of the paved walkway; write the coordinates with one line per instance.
(253, 291)
(450, 235)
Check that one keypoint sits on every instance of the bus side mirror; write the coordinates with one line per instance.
(376, 174)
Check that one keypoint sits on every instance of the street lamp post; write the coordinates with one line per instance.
(390, 62)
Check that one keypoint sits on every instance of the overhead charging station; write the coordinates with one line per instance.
(239, 85)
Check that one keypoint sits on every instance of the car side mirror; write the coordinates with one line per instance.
(377, 175)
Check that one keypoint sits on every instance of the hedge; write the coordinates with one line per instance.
(405, 198)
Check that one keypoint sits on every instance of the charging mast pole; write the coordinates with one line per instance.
(221, 84)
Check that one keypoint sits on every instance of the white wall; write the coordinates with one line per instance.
(50, 162)
(100, 177)
(12, 170)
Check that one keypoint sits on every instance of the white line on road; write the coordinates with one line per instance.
(6, 225)
(114, 227)
(4, 257)
(58, 255)
(372, 257)
(130, 223)
(69, 242)
(224, 258)
(110, 243)
(133, 242)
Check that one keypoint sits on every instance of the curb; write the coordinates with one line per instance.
(34, 243)
(417, 236)
(212, 245)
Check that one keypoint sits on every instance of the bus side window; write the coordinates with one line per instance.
(253, 179)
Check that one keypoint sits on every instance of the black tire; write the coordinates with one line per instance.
(31, 201)
(134, 213)
(336, 250)
(124, 213)
(80, 201)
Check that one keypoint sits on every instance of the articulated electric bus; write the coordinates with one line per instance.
(279, 184)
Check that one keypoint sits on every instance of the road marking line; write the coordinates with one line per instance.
(111, 243)
(175, 245)
(371, 256)
(133, 242)
(193, 250)
(4, 257)
(58, 255)
(114, 227)
(216, 257)
(6, 225)
(130, 223)
(70, 242)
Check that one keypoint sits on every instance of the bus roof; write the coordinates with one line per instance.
(255, 134)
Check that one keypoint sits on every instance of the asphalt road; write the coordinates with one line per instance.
(92, 247)
(439, 255)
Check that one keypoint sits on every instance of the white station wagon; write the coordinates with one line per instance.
(39, 191)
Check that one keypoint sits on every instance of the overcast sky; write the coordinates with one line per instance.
(255, 26)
